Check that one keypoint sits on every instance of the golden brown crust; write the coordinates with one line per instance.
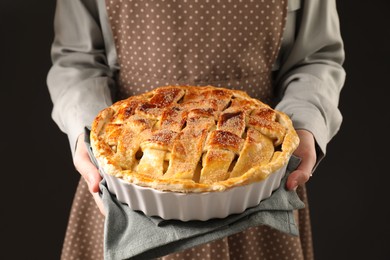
(192, 139)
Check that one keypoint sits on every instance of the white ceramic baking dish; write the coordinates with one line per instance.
(193, 206)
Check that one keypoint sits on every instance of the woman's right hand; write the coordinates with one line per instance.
(88, 171)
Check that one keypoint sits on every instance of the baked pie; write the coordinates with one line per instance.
(192, 139)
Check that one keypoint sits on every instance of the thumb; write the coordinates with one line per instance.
(306, 151)
(85, 167)
(90, 174)
(296, 178)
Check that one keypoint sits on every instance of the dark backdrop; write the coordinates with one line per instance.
(348, 193)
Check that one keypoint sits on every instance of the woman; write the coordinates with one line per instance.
(287, 53)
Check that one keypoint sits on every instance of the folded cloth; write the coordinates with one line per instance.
(129, 234)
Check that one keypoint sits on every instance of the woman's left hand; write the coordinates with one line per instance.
(307, 152)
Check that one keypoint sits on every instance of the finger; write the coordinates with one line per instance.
(306, 151)
(301, 175)
(99, 203)
(89, 173)
(86, 168)
(296, 178)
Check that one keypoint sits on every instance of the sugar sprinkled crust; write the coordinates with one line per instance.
(192, 139)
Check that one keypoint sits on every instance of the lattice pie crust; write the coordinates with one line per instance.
(192, 139)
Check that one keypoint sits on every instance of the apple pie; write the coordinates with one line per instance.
(192, 139)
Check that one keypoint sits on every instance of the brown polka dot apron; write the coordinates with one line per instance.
(230, 43)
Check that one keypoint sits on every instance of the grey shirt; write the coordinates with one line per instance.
(309, 72)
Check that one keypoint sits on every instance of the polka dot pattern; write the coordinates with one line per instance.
(84, 234)
(223, 43)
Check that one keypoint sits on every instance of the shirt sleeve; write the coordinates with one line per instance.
(311, 77)
(79, 80)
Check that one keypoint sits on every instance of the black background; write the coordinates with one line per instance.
(348, 193)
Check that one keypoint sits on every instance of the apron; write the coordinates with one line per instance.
(229, 43)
